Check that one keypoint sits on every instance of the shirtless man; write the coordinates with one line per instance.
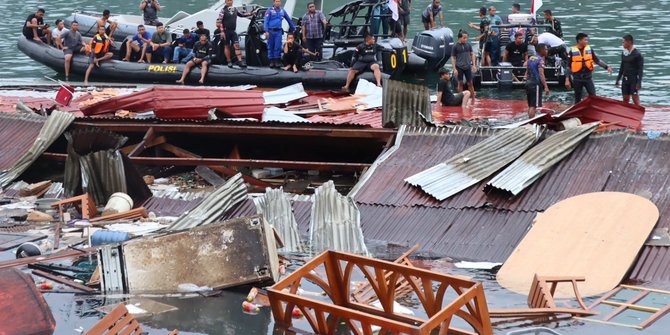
(104, 21)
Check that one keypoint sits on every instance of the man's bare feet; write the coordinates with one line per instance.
(201, 81)
(141, 61)
(126, 59)
(345, 88)
(180, 82)
(287, 67)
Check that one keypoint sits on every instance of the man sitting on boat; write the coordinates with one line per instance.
(184, 50)
(202, 55)
(161, 43)
(139, 42)
(72, 44)
(35, 29)
(99, 51)
(57, 32)
(365, 59)
(150, 10)
(109, 25)
(200, 30)
(293, 54)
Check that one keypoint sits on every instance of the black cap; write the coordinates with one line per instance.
(443, 71)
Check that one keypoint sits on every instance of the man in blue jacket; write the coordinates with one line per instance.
(273, 31)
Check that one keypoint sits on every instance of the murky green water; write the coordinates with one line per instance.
(604, 21)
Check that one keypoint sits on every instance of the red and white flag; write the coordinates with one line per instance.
(393, 6)
(535, 6)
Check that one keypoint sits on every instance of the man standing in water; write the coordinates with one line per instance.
(631, 69)
(444, 95)
(535, 78)
(463, 63)
(274, 17)
(581, 59)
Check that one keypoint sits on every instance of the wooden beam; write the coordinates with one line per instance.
(65, 281)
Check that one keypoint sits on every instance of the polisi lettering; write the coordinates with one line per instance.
(162, 68)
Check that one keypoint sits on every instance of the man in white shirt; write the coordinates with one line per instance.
(57, 32)
(556, 46)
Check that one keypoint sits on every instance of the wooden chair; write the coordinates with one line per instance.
(86, 206)
(119, 321)
(541, 300)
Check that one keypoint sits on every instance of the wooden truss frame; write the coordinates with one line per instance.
(656, 313)
(383, 277)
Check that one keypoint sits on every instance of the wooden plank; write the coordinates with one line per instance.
(65, 281)
(595, 235)
(609, 323)
(631, 306)
(640, 288)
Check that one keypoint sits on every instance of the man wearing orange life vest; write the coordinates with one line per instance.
(99, 51)
(580, 67)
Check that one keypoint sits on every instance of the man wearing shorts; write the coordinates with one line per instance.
(444, 95)
(535, 78)
(35, 29)
(365, 59)
(73, 44)
(463, 63)
(228, 16)
(631, 70)
(429, 14)
(99, 46)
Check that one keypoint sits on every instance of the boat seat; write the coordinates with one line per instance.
(119, 321)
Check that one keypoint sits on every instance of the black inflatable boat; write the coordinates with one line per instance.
(328, 75)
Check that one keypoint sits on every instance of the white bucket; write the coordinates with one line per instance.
(118, 203)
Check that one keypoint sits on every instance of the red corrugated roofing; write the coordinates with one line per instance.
(368, 118)
(8, 103)
(184, 103)
(17, 135)
(615, 114)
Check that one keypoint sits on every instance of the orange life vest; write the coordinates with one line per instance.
(98, 44)
(579, 59)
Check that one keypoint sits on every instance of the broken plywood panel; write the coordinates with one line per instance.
(593, 235)
(219, 255)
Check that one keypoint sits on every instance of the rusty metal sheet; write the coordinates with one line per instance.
(615, 114)
(219, 255)
(17, 134)
(23, 309)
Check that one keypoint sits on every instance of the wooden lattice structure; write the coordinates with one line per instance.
(430, 288)
(366, 295)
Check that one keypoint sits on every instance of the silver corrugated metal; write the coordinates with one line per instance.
(335, 222)
(475, 163)
(54, 126)
(214, 205)
(538, 160)
(103, 174)
(276, 208)
(405, 104)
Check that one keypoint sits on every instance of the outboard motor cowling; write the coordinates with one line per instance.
(434, 46)
(505, 75)
(393, 63)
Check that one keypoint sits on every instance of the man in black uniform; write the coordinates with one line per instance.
(445, 97)
(555, 24)
(632, 67)
(35, 29)
(150, 10)
(202, 53)
(516, 52)
(365, 59)
(200, 30)
(228, 17)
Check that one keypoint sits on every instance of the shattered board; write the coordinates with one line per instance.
(595, 235)
(218, 255)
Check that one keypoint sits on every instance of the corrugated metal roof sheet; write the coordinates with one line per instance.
(277, 210)
(54, 126)
(369, 118)
(405, 104)
(467, 234)
(214, 205)
(538, 160)
(335, 222)
(17, 134)
(475, 163)
(13, 190)
(612, 161)
(302, 211)
(170, 207)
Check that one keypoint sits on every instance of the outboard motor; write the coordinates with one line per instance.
(255, 48)
(434, 46)
(393, 64)
(505, 76)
